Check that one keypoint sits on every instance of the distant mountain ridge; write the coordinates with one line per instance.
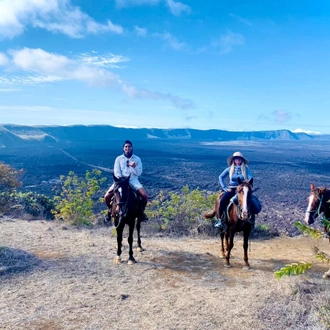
(21, 135)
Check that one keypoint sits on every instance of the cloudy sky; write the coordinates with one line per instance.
(233, 65)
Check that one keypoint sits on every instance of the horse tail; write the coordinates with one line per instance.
(215, 212)
(209, 215)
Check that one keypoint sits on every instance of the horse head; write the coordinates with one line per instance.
(244, 194)
(121, 194)
(315, 203)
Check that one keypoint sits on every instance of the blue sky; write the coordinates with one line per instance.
(232, 65)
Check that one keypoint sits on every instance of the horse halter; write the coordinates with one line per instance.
(317, 211)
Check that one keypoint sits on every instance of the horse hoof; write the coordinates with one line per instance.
(221, 256)
(246, 267)
(131, 261)
(139, 249)
(227, 266)
(327, 276)
(117, 260)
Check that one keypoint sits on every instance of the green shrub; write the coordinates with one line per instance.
(76, 199)
(9, 182)
(178, 213)
(38, 205)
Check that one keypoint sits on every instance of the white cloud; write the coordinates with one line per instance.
(300, 130)
(8, 90)
(129, 3)
(104, 60)
(39, 66)
(142, 32)
(176, 8)
(52, 15)
(171, 41)
(3, 59)
(241, 19)
(227, 41)
(281, 116)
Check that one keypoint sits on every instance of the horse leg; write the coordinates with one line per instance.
(222, 250)
(131, 259)
(138, 228)
(246, 234)
(326, 274)
(229, 246)
(119, 231)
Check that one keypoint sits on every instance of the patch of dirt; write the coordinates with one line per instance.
(72, 282)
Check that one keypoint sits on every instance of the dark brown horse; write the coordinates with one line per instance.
(125, 211)
(239, 218)
(318, 204)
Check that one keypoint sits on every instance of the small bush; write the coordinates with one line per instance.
(76, 199)
(37, 205)
(9, 182)
(180, 213)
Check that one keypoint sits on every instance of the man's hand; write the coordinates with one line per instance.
(132, 164)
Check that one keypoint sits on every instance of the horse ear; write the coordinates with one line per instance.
(239, 180)
(114, 177)
(322, 190)
(312, 186)
(251, 182)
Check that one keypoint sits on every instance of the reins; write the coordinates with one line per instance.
(121, 204)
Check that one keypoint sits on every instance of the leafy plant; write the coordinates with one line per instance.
(35, 204)
(293, 269)
(77, 197)
(9, 182)
(315, 233)
(179, 212)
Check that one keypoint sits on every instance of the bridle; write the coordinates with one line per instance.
(239, 209)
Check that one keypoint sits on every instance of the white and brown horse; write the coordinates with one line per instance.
(318, 204)
(240, 218)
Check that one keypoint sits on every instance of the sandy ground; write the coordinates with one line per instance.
(52, 278)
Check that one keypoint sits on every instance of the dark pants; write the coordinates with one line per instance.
(225, 200)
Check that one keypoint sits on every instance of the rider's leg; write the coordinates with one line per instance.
(222, 208)
(108, 201)
(108, 197)
(144, 197)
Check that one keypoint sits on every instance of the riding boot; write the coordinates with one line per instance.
(107, 218)
(143, 216)
(221, 222)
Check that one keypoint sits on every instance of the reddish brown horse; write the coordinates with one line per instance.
(240, 218)
(318, 204)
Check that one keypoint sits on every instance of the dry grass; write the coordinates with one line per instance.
(66, 279)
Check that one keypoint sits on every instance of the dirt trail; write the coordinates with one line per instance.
(52, 279)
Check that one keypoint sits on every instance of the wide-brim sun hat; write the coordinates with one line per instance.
(236, 154)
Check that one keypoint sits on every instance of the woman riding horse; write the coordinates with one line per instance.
(239, 216)
(237, 169)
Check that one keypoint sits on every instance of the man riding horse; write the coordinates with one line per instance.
(128, 164)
